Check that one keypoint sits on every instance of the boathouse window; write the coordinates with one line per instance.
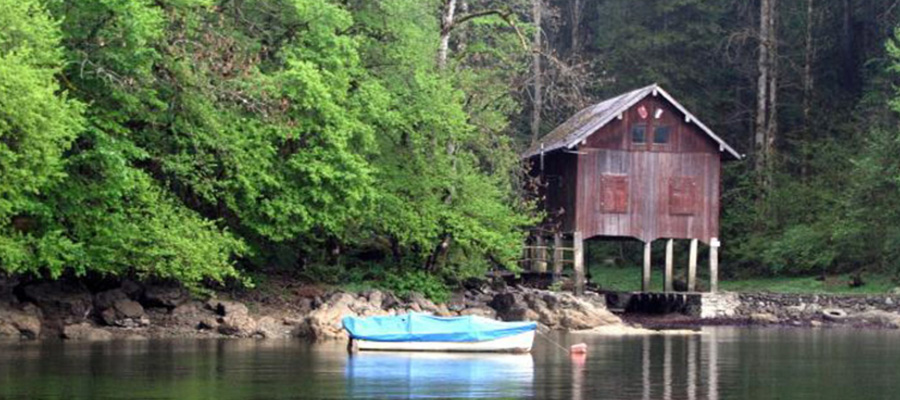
(639, 134)
(683, 195)
(613, 193)
(661, 134)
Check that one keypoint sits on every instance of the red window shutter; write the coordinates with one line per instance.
(614, 193)
(683, 195)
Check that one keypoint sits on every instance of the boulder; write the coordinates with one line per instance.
(240, 325)
(486, 312)
(225, 307)
(324, 323)
(167, 295)
(106, 299)
(129, 308)
(234, 320)
(877, 317)
(85, 331)
(60, 300)
(555, 310)
(125, 313)
(19, 324)
(271, 328)
(763, 318)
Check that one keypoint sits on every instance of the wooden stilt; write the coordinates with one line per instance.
(578, 245)
(541, 259)
(714, 264)
(692, 267)
(645, 286)
(557, 255)
(670, 260)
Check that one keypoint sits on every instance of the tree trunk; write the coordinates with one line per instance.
(762, 88)
(807, 83)
(772, 126)
(537, 101)
(849, 55)
(463, 34)
(446, 27)
(576, 24)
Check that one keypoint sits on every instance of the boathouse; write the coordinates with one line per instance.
(638, 165)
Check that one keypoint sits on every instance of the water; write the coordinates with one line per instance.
(724, 363)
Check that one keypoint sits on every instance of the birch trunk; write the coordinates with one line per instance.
(537, 101)
(446, 25)
(808, 82)
(772, 125)
(762, 88)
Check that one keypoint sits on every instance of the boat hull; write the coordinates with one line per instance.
(518, 343)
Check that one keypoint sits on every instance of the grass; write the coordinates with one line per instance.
(629, 279)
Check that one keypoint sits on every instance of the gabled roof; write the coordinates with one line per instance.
(587, 121)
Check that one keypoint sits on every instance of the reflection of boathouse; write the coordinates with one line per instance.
(638, 166)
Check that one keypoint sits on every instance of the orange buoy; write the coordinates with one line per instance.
(579, 348)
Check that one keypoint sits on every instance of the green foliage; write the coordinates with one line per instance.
(431, 286)
(37, 125)
(265, 133)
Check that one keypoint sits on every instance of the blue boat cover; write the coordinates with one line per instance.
(427, 328)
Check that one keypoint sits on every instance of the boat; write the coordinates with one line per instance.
(422, 332)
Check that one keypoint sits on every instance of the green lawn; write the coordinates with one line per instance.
(629, 279)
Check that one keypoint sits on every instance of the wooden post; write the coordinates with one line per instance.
(692, 267)
(541, 259)
(557, 255)
(670, 259)
(714, 265)
(645, 286)
(578, 245)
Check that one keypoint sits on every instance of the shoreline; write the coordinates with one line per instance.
(70, 310)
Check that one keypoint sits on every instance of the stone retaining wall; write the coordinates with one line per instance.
(800, 309)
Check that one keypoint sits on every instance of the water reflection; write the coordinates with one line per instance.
(724, 363)
(683, 365)
(412, 375)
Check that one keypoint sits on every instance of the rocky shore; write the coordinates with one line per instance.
(129, 310)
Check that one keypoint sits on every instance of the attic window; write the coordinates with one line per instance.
(639, 133)
(661, 134)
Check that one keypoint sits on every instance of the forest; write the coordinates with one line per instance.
(217, 141)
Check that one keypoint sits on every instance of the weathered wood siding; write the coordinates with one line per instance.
(647, 191)
(560, 175)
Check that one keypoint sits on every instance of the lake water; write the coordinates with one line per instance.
(723, 363)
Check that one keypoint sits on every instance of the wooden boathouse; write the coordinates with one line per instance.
(638, 165)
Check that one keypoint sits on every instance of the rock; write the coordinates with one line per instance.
(457, 302)
(226, 308)
(486, 312)
(104, 300)
(763, 318)
(85, 331)
(235, 318)
(376, 298)
(241, 325)
(60, 300)
(878, 317)
(19, 324)
(418, 300)
(815, 324)
(895, 290)
(129, 308)
(324, 323)
(186, 310)
(270, 328)
(167, 295)
(584, 313)
(208, 323)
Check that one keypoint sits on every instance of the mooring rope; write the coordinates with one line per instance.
(554, 342)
